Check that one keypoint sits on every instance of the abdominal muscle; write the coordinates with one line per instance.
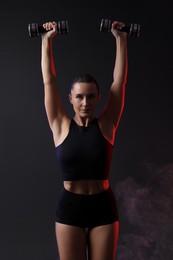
(86, 187)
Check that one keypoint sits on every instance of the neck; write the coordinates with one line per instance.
(83, 121)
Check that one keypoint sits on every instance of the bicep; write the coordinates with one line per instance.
(53, 105)
(114, 105)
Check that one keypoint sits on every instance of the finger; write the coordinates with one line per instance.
(49, 25)
(117, 25)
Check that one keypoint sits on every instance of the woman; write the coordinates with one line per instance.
(86, 215)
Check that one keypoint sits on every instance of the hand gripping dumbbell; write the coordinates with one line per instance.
(132, 30)
(35, 30)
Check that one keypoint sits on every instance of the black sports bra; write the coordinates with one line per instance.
(85, 153)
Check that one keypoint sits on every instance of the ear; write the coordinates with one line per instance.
(70, 98)
(99, 97)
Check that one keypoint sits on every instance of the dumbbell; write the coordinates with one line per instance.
(35, 30)
(132, 30)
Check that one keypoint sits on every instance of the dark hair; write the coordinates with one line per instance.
(87, 78)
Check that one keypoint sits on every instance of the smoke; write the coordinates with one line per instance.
(146, 216)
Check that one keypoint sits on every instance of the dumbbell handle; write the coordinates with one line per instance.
(35, 30)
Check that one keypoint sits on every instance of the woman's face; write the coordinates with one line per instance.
(84, 97)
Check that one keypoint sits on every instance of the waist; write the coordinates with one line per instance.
(86, 187)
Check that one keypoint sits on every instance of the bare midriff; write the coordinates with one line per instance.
(86, 187)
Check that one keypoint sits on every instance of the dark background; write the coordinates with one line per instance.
(142, 166)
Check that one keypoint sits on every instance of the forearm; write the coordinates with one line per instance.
(47, 61)
(121, 61)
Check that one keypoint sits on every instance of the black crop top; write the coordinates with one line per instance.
(85, 153)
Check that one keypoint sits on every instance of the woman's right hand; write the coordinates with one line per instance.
(115, 26)
(51, 28)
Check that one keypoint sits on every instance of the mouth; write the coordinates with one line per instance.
(85, 110)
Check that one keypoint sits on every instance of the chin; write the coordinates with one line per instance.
(86, 115)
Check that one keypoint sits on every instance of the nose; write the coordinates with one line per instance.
(85, 101)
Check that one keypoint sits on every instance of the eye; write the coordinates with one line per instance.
(91, 96)
(79, 96)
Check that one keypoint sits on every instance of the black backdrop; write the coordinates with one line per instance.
(142, 170)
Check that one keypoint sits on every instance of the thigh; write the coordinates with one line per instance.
(102, 242)
(71, 241)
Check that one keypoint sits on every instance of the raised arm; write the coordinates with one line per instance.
(115, 103)
(53, 104)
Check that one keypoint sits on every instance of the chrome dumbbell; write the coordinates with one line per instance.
(35, 30)
(132, 30)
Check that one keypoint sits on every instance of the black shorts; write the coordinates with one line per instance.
(86, 211)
